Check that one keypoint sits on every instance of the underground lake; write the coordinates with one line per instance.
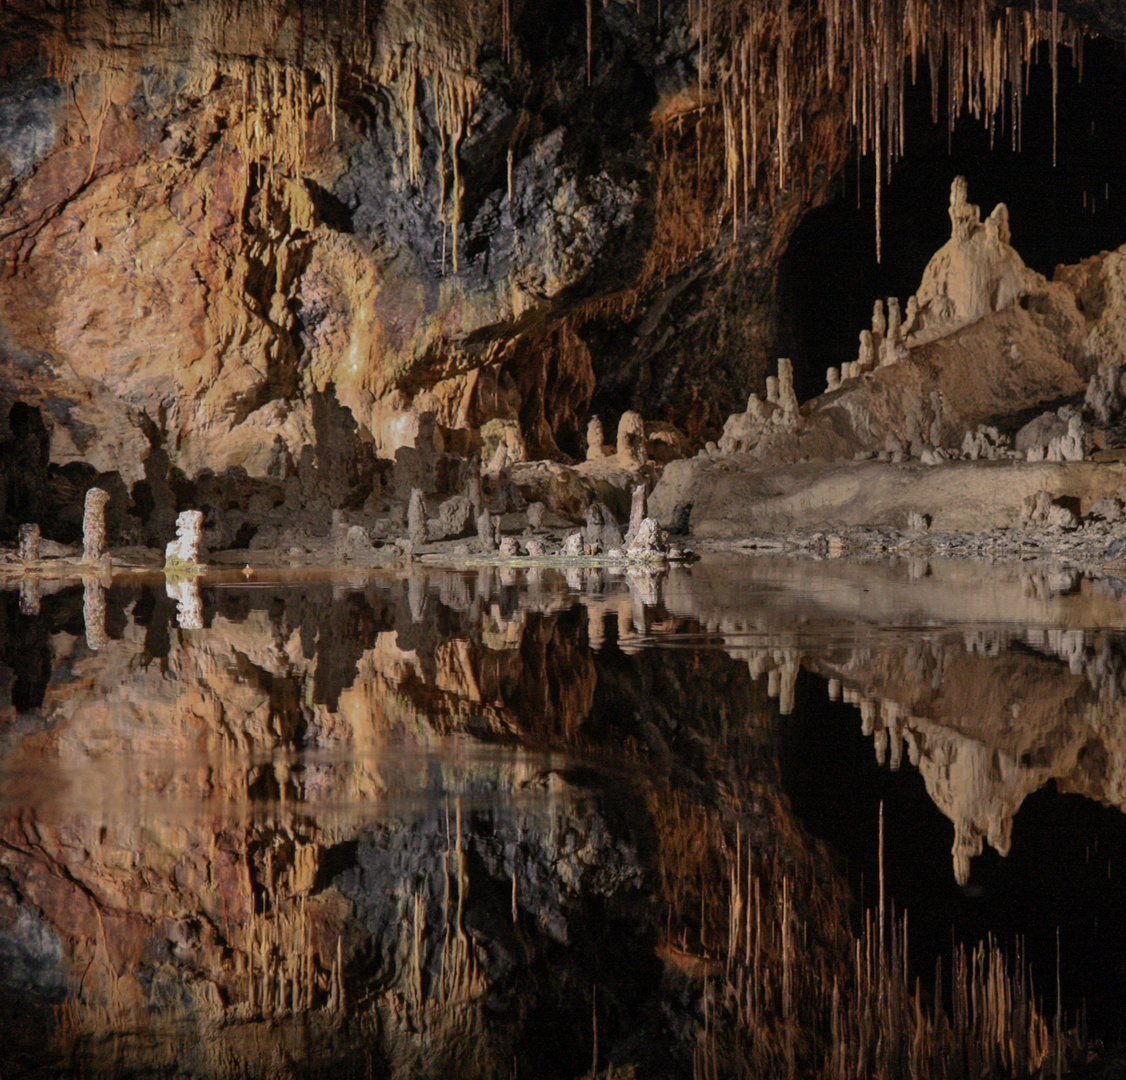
(751, 816)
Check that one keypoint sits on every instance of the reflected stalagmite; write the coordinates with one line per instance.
(189, 603)
(30, 599)
(94, 613)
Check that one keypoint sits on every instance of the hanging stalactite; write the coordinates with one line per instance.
(760, 63)
(761, 66)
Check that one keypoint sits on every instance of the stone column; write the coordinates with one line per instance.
(185, 548)
(94, 525)
(638, 512)
(29, 543)
(417, 529)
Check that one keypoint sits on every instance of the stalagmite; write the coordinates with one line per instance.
(94, 525)
(595, 440)
(911, 315)
(632, 449)
(509, 547)
(184, 550)
(94, 613)
(485, 534)
(787, 398)
(648, 541)
(866, 356)
(638, 511)
(894, 319)
(535, 515)
(417, 530)
(498, 461)
(879, 321)
(772, 389)
(832, 379)
(29, 543)
(473, 492)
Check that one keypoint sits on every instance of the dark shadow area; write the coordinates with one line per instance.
(1065, 868)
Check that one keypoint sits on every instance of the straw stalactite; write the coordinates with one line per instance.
(764, 65)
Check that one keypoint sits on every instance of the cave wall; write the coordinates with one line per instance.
(434, 214)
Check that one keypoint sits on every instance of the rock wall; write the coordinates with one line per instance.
(433, 216)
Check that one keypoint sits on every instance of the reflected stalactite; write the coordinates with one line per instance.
(370, 861)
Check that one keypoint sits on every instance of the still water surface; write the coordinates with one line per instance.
(526, 823)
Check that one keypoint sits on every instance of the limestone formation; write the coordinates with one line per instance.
(866, 357)
(29, 543)
(894, 319)
(189, 604)
(832, 380)
(473, 493)
(535, 547)
(509, 547)
(601, 532)
(977, 271)
(94, 525)
(985, 442)
(498, 461)
(633, 450)
(184, 550)
(535, 515)
(648, 542)
(1040, 510)
(1069, 446)
(1103, 398)
(573, 545)
(917, 523)
(417, 529)
(94, 613)
(638, 511)
(595, 440)
(879, 322)
(1109, 508)
(455, 516)
(787, 399)
(485, 534)
(910, 316)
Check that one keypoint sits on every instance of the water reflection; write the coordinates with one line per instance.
(503, 823)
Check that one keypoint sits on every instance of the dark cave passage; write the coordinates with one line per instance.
(828, 278)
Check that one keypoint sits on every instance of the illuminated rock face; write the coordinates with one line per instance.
(215, 221)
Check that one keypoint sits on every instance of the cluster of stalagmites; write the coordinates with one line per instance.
(779, 412)
(976, 274)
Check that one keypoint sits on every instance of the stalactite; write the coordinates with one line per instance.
(763, 67)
